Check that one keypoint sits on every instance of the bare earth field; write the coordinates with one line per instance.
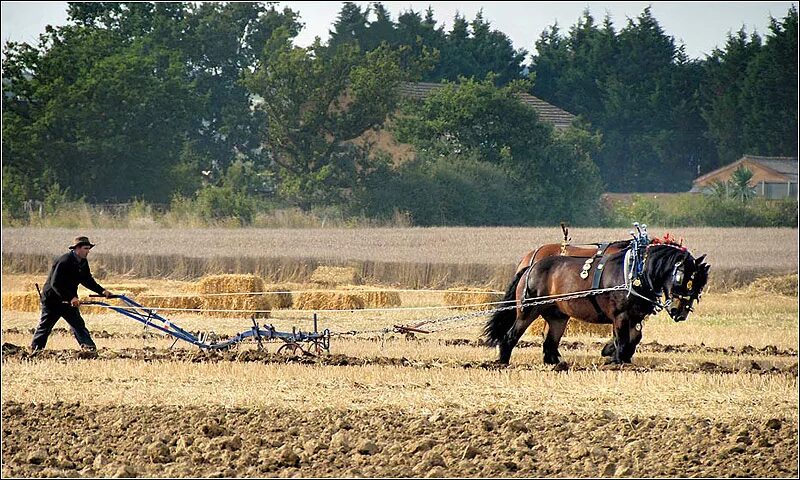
(715, 396)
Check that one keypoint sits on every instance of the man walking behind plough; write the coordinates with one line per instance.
(59, 298)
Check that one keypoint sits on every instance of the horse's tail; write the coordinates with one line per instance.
(501, 321)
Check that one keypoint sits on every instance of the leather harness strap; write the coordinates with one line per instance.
(598, 274)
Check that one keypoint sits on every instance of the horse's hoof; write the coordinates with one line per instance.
(561, 367)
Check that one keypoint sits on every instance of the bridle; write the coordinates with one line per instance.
(678, 292)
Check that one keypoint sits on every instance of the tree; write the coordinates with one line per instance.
(722, 91)
(350, 25)
(770, 92)
(740, 187)
(104, 116)
(315, 105)
(132, 92)
(637, 89)
(552, 174)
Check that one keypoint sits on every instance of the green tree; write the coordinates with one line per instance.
(637, 89)
(552, 173)
(770, 92)
(722, 90)
(350, 26)
(315, 106)
(102, 114)
(132, 92)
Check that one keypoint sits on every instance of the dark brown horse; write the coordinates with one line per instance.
(668, 270)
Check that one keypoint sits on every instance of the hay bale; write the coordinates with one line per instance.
(29, 302)
(21, 301)
(127, 289)
(328, 301)
(459, 297)
(335, 276)
(575, 327)
(190, 302)
(245, 306)
(230, 283)
(280, 294)
(374, 297)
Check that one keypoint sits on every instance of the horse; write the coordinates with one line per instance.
(667, 269)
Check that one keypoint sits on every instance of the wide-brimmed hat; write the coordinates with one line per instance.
(80, 241)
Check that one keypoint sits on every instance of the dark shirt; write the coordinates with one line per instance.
(68, 271)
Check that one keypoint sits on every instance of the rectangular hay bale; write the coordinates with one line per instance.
(458, 298)
(246, 306)
(230, 283)
(328, 301)
(374, 297)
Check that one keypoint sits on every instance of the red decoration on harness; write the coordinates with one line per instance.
(669, 240)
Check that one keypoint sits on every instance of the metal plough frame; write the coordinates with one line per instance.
(316, 341)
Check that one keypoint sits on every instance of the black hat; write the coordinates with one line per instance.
(80, 241)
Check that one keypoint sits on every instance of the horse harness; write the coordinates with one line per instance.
(598, 274)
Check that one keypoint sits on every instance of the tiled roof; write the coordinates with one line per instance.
(547, 112)
(786, 166)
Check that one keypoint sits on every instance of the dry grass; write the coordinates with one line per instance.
(734, 319)
(409, 389)
(722, 320)
(412, 257)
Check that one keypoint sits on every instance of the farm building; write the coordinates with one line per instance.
(773, 177)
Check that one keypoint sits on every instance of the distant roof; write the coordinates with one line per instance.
(549, 113)
(786, 166)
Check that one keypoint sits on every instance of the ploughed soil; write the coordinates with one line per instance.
(57, 439)
(772, 361)
(67, 440)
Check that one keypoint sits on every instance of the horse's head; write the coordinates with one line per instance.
(689, 276)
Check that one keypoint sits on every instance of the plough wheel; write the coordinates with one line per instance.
(291, 349)
(315, 348)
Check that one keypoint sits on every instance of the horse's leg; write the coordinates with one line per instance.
(621, 340)
(524, 319)
(555, 324)
(634, 337)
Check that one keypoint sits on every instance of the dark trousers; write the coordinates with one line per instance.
(50, 315)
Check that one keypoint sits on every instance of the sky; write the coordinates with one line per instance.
(700, 26)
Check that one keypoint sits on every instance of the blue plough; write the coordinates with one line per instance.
(315, 342)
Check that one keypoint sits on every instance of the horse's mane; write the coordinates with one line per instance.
(662, 255)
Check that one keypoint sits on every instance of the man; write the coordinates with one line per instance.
(60, 295)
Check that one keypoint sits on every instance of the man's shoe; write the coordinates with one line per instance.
(88, 348)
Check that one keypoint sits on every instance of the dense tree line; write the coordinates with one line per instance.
(212, 103)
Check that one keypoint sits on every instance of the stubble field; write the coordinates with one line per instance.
(714, 396)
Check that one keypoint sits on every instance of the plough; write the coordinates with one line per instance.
(314, 342)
